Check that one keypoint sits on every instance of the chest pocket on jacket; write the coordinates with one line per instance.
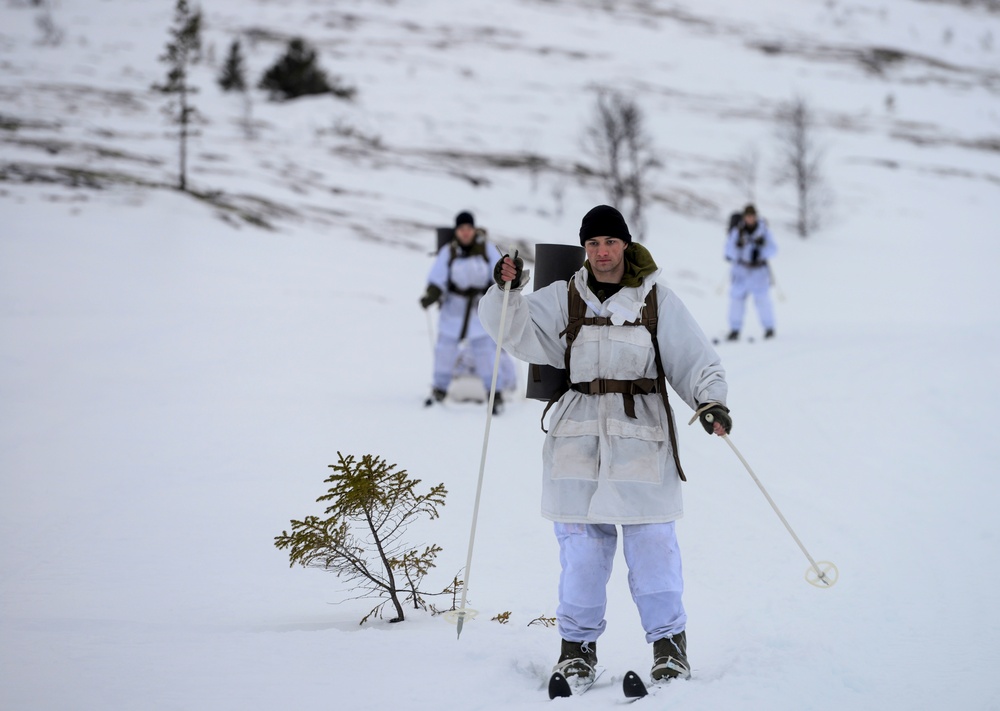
(632, 354)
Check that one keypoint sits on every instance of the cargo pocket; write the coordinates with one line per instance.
(635, 451)
(574, 449)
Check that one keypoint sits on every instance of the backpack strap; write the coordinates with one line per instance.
(651, 314)
(577, 311)
(471, 294)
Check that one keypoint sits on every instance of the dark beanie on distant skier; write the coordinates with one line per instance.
(604, 221)
(464, 218)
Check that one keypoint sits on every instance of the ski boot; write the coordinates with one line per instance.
(670, 658)
(577, 660)
(437, 395)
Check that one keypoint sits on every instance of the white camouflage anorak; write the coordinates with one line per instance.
(600, 465)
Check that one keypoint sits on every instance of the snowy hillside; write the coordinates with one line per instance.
(177, 370)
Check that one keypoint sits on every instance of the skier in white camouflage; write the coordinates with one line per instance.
(458, 278)
(610, 454)
(749, 246)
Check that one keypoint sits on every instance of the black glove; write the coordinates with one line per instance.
(518, 262)
(431, 296)
(720, 414)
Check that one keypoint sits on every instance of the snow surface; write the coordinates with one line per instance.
(173, 386)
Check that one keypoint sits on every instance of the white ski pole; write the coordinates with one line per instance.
(722, 285)
(430, 329)
(459, 615)
(815, 575)
(774, 283)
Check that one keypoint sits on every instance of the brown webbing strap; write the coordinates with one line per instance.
(577, 310)
(627, 388)
(652, 316)
(470, 293)
(465, 323)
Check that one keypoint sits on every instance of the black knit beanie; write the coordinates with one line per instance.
(604, 221)
(464, 218)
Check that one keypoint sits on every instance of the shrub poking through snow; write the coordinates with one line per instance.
(371, 504)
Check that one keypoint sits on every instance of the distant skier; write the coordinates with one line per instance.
(749, 247)
(610, 455)
(459, 277)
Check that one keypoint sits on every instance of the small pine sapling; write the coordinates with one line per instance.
(453, 590)
(371, 504)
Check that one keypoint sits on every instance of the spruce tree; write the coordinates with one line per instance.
(183, 51)
(297, 73)
(360, 538)
(233, 76)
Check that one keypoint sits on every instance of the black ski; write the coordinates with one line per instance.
(633, 686)
(558, 686)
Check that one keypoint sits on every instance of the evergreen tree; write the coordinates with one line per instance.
(183, 51)
(233, 76)
(370, 506)
(296, 73)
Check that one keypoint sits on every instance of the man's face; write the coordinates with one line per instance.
(607, 258)
(750, 220)
(465, 234)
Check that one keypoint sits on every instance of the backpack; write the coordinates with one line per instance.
(734, 219)
(578, 318)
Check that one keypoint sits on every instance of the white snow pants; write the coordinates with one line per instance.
(746, 281)
(483, 351)
(587, 551)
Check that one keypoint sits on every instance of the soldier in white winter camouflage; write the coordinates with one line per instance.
(610, 454)
(460, 275)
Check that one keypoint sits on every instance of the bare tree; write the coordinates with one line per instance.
(616, 138)
(800, 162)
(744, 173)
(183, 50)
(51, 34)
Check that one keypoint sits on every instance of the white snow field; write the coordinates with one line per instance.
(177, 370)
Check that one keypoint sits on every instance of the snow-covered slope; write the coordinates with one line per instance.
(173, 385)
